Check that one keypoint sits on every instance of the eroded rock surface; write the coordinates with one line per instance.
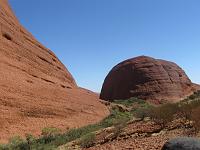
(36, 90)
(147, 78)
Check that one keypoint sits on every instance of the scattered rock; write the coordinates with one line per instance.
(160, 133)
(147, 119)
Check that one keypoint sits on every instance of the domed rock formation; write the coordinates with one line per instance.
(36, 90)
(147, 78)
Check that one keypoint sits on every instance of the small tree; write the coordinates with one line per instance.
(186, 110)
(196, 119)
(142, 113)
(88, 140)
(163, 114)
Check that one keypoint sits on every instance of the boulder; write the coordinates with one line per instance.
(182, 143)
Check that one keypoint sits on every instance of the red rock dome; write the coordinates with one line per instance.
(147, 78)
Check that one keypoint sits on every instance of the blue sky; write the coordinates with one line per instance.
(91, 36)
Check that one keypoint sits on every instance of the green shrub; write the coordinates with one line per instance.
(4, 147)
(129, 102)
(186, 107)
(17, 143)
(196, 119)
(115, 117)
(87, 140)
(142, 113)
(50, 131)
(163, 114)
(186, 110)
(118, 128)
(30, 139)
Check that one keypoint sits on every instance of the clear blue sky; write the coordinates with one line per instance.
(91, 36)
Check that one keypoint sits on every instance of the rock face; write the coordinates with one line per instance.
(36, 90)
(147, 78)
(182, 143)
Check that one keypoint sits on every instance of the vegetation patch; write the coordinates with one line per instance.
(87, 140)
(130, 102)
(52, 138)
(187, 109)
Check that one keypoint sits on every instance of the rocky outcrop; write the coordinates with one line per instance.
(147, 78)
(36, 90)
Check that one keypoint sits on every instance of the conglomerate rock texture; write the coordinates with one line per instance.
(36, 90)
(147, 78)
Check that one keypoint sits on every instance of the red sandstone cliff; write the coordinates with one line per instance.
(36, 90)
